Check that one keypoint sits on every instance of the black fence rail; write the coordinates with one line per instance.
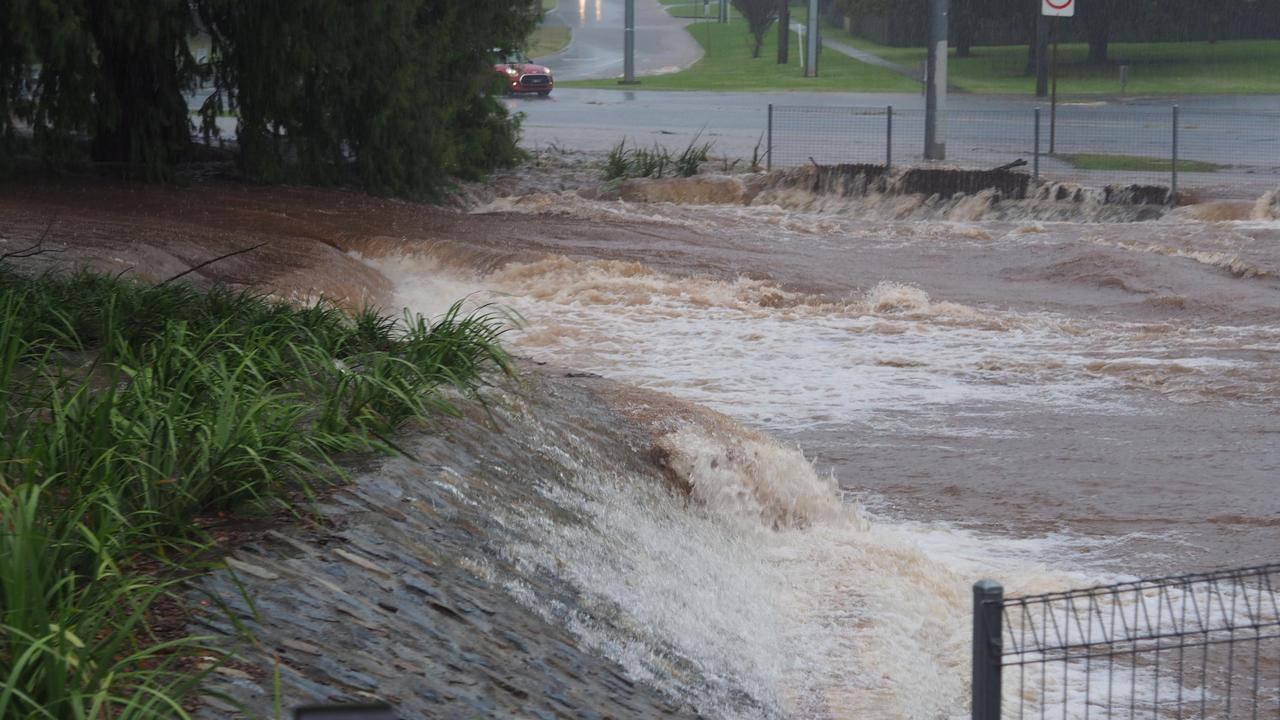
(1191, 647)
(1096, 144)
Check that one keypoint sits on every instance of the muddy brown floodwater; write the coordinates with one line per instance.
(1038, 392)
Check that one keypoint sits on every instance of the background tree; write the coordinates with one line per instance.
(784, 31)
(759, 15)
(318, 100)
(1098, 17)
(395, 95)
(144, 66)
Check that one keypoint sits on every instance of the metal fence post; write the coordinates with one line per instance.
(1035, 163)
(988, 647)
(768, 150)
(888, 139)
(1173, 188)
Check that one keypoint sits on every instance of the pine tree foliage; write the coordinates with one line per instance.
(112, 71)
(393, 95)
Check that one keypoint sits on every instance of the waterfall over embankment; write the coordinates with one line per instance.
(583, 548)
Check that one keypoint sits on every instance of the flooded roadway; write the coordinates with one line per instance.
(1111, 385)
(1048, 402)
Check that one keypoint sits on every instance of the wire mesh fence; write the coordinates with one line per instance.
(1191, 647)
(1099, 145)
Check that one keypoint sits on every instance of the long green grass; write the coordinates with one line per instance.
(547, 40)
(1159, 68)
(638, 162)
(727, 65)
(129, 411)
(1097, 161)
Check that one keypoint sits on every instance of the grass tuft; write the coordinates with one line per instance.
(129, 411)
(637, 162)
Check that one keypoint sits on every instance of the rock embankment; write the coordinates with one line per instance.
(403, 590)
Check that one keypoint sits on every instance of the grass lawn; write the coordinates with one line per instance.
(547, 39)
(696, 9)
(1089, 161)
(549, 5)
(1238, 66)
(728, 65)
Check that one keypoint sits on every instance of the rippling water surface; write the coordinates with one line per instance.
(1109, 384)
(1052, 404)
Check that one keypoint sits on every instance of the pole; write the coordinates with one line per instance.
(811, 37)
(988, 647)
(1042, 53)
(1173, 189)
(629, 44)
(768, 150)
(706, 22)
(1053, 93)
(888, 139)
(784, 32)
(724, 11)
(935, 144)
(1035, 167)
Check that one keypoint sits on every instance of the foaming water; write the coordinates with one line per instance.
(653, 201)
(791, 602)
(771, 584)
(788, 360)
(1047, 403)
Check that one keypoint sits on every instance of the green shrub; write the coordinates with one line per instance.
(129, 410)
(624, 162)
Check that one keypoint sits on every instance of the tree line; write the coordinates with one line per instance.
(393, 95)
(1099, 19)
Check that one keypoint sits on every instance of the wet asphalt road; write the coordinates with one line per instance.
(662, 45)
(981, 130)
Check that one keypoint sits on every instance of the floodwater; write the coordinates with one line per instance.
(1112, 386)
(920, 394)
(1052, 404)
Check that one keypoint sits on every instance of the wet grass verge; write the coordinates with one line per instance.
(547, 40)
(129, 412)
(1134, 163)
(728, 66)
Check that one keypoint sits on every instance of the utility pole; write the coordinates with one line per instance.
(935, 104)
(629, 44)
(1042, 55)
(813, 39)
(784, 31)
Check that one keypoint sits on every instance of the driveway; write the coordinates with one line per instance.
(662, 44)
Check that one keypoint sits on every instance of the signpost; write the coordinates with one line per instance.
(1059, 8)
(1055, 9)
(935, 101)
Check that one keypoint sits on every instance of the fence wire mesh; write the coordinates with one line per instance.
(1194, 647)
(1093, 144)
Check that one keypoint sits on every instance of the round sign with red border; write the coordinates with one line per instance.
(1059, 8)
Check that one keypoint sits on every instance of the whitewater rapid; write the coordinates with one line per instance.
(1049, 404)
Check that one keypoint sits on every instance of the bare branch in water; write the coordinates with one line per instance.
(36, 248)
(207, 263)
